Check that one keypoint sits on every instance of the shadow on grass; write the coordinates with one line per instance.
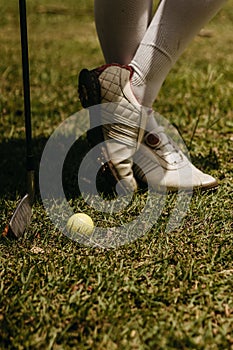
(13, 165)
(13, 168)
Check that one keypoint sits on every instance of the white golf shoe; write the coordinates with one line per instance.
(121, 117)
(160, 163)
(117, 125)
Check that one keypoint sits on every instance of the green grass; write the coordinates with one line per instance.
(166, 290)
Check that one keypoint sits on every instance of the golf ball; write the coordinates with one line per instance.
(80, 223)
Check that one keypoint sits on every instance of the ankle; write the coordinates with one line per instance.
(140, 89)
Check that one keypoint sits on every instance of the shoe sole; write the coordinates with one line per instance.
(162, 189)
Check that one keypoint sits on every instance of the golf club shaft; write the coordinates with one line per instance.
(27, 99)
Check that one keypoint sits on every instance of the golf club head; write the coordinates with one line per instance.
(21, 217)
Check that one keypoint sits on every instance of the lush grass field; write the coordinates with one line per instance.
(165, 291)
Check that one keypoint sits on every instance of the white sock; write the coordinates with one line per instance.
(121, 25)
(173, 26)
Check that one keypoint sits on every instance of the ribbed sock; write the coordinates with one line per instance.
(173, 26)
(121, 25)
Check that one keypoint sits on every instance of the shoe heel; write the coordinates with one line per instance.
(89, 89)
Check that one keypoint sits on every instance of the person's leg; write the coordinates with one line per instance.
(173, 26)
(160, 48)
(121, 25)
